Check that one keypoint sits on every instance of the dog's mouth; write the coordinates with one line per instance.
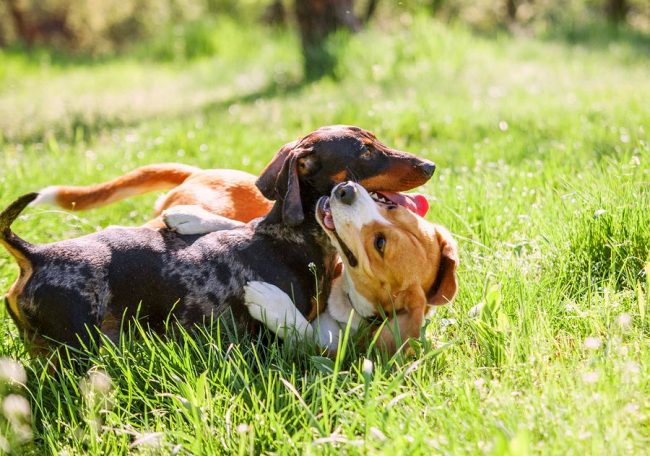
(414, 202)
(324, 216)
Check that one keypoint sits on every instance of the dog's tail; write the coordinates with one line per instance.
(19, 248)
(146, 179)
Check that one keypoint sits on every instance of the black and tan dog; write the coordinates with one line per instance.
(68, 287)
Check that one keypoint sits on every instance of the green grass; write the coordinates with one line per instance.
(543, 153)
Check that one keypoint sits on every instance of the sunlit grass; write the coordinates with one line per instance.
(543, 155)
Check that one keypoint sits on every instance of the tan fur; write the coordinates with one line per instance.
(226, 192)
(401, 281)
(18, 286)
(142, 180)
(229, 193)
(399, 176)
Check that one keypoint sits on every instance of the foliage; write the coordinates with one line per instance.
(96, 26)
(543, 163)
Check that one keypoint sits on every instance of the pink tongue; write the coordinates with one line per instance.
(415, 202)
(328, 221)
(422, 204)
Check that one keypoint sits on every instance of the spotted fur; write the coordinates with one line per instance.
(93, 281)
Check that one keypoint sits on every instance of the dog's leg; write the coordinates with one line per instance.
(273, 307)
(189, 219)
(328, 330)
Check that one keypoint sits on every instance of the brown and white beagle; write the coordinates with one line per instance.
(395, 264)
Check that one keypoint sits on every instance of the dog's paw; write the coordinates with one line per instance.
(267, 303)
(182, 222)
(189, 219)
(273, 307)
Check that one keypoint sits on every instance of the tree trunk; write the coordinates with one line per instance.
(617, 10)
(275, 14)
(370, 10)
(511, 9)
(24, 31)
(317, 20)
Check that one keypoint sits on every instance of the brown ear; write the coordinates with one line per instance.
(408, 322)
(266, 183)
(446, 284)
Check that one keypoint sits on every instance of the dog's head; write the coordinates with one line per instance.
(396, 260)
(308, 168)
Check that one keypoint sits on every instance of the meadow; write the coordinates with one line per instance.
(543, 154)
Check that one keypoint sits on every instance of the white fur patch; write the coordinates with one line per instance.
(273, 307)
(328, 331)
(46, 195)
(362, 211)
(338, 304)
(190, 219)
(364, 307)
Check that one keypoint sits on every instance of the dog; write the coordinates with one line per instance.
(67, 288)
(395, 264)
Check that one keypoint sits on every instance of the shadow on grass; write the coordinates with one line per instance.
(600, 36)
(82, 127)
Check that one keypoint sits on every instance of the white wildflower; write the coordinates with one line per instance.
(590, 377)
(12, 371)
(476, 310)
(593, 343)
(98, 382)
(624, 320)
(367, 367)
(16, 408)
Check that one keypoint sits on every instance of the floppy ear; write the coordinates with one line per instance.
(407, 323)
(288, 183)
(266, 183)
(280, 181)
(446, 284)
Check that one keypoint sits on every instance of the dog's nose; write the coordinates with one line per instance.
(345, 193)
(427, 168)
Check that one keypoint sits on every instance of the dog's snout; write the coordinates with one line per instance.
(345, 192)
(427, 168)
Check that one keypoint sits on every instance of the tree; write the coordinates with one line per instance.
(317, 20)
(616, 10)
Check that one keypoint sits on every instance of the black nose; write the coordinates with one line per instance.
(345, 193)
(427, 168)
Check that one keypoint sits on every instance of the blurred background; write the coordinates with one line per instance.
(183, 28)
(293, 43)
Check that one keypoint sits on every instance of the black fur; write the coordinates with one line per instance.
(79, 283)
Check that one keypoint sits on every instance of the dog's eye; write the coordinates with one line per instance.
(380, 242)
(366, 152)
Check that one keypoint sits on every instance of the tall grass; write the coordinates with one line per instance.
(543, 156)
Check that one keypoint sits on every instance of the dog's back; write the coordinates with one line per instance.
(98, 279)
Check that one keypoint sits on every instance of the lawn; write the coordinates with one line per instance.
(543, 153)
